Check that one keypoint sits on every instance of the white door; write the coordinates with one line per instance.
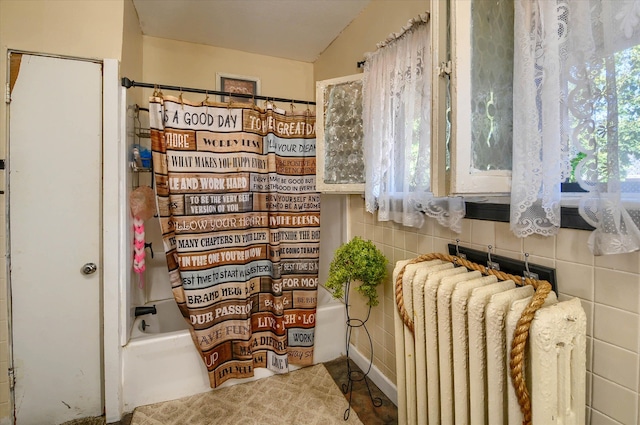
(55, 172)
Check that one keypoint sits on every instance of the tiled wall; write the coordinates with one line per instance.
(608, 286)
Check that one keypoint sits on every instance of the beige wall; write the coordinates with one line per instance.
(178, 63)
(374, 24)
(131, 63)
(91, 29)
(609, 287)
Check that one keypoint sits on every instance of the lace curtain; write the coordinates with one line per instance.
(397, 131)
(574, 73)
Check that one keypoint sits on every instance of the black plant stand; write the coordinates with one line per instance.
(352, 374)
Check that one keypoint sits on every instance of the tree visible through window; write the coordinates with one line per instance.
(617, 83)
(577, 116)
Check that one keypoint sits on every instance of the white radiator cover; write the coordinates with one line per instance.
(455, 369)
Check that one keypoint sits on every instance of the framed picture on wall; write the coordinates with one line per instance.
(237, 84)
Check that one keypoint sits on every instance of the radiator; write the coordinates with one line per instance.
(453, 367)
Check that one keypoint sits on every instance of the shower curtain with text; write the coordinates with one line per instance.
(240, 218)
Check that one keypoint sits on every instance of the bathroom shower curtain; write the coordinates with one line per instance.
(240, 218)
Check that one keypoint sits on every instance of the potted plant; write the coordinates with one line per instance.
(357, 260)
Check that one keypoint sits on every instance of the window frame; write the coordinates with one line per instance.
(321, 148)
(570, 218)
(462, 180)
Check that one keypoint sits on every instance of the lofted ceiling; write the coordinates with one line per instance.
(292, 29)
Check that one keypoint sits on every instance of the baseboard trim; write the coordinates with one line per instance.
(376, 376)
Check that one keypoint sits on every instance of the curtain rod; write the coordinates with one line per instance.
(127, 83)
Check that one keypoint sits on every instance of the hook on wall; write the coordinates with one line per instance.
(491, 264)
(458, 253)
(526, 272)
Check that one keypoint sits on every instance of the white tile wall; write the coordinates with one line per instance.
(609, 288)
(617, 289)
(615, 364)
(615, 326)
(598, 418)
(577, 279)
(614, 401)
(542, 246)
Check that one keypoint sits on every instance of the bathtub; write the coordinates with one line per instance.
(160, 361)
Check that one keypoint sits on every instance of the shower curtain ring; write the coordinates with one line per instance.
(156, 91)
(181, 100)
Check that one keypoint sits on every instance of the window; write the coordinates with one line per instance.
(574, 82)
(339, 155)
(482, 81)
(621, 74)
(482, 95)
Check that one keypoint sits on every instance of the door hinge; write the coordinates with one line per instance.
(12, 378)
(7, 94)
(444, 68)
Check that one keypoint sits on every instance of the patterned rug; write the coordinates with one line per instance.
(307, 396)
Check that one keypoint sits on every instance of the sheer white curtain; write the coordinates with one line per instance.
(397, 131)
(577, 112)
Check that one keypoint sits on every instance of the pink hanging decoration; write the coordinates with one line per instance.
(142, 202)
(138, 249)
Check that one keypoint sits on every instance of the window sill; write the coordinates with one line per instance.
(497, 209)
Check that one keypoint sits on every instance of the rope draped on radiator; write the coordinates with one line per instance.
(521, 334)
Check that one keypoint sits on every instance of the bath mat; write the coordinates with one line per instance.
(305, 396)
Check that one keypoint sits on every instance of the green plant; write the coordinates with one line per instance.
(357, 260)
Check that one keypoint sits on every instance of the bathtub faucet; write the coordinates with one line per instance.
(140, 311)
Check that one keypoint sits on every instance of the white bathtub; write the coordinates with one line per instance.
(161, 363)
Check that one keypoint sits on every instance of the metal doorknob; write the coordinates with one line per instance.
(89, 268)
